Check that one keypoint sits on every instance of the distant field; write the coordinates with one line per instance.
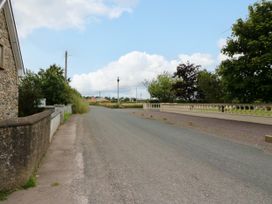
(122, 105)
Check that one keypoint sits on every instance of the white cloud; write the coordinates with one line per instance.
(205, 60)
(132, 68)
(63, 14)
(222, 42)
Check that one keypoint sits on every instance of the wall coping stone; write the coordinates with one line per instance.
(25, 121)
(55, 113)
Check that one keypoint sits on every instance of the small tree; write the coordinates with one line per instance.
(161, 88)
(185, 86)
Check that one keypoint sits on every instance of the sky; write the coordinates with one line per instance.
(133, 39)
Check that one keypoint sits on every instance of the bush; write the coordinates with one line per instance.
(80, 106)
(78, 103)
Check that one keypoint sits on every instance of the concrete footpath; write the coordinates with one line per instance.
(228, 116)
(59, 170)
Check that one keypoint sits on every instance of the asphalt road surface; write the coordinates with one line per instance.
(127, 159)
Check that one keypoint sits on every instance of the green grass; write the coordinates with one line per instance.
(67, 116)
(32, 182)
(4, 195)
(79, 105)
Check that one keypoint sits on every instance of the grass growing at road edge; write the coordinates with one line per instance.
(4, 195)
(67, 116)
(32, 182)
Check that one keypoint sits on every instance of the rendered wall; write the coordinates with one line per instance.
(23, 143)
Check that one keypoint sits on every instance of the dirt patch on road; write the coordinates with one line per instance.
(252, 134)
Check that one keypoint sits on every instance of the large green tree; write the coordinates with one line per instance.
(185, 86)
(161, 88)
(209, 87)
(247, 74)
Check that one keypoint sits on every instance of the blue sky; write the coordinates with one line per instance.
(123, 37)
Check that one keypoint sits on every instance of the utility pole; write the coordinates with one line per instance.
(118, 80)
(136, 94)
(66, 64)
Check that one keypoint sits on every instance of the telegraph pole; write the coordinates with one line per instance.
(66, 64)
(118, 80)
(136, 94)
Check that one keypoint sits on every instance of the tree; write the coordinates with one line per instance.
(247, 74)
(49, 84)
(185, 87)
(30, 94)
(161, 88)
(126, 99)
(209, 87)
(55, 88)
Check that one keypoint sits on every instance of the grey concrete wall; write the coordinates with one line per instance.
(23, 143)
(8, 76)
(54, 124)
(63, 109)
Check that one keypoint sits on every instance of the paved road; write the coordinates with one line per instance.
(228, 116)
(126, 159)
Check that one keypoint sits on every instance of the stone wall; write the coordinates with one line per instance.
(23, 143)
(8, 76)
